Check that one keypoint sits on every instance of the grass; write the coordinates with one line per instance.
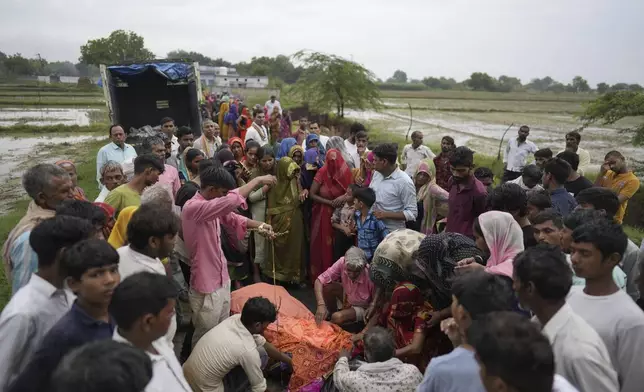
(53, 130)
(62, 100)
(84, 155)
(487, 96)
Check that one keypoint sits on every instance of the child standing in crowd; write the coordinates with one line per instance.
(369, 229)
(344, 225)
(92, 266)
(415, 152)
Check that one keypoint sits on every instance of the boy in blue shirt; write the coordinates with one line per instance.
(370, 230)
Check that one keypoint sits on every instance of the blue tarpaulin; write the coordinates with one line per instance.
(172, 71)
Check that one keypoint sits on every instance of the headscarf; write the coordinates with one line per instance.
(295, 148)
(423, 195)
(393, 258)
(504, 239)
(109, 212)
(320, 147)
(335, 174)
(237, 140)
(434, 265)
(231, 117)
(369, 173)
(311, 164)
(285, 127)
(336, 142)
(285, 147)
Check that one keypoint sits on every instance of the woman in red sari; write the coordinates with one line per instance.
(238, 147)
(327, 192)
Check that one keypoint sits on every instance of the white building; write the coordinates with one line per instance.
(223, 77)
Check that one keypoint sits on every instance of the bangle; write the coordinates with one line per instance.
(322, 304)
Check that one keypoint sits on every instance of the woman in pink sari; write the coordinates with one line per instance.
(327, 192)
(500, 236)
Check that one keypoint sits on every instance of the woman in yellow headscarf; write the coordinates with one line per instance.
(285, 255)
(223, 109)
(296, 153)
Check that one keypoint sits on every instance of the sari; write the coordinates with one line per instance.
(409, 313)
(433, 267)
(334, 179)
(295, 149)
(283, 214)
(312, 163)
(336, 142)
(285, 147)
(394, 257)
(230, 122)
(109, 212)
(236, 139)
(248, 121)
(429, 196)
(118, 236)
(504, 239)
(223, 110)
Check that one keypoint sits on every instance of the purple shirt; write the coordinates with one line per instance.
(466, 202)
(200, 219)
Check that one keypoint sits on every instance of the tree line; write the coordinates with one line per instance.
(481, 81)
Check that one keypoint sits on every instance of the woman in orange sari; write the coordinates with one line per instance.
(78, 192)
(327, 192)
(244, 122)
(237, 147)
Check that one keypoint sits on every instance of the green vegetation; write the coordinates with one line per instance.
(53, 130)
(615, 106)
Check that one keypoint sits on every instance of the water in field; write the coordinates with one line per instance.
(45, 116)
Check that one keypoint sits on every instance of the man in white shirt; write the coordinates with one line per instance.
(272, 103)
(382, 372)
(117, 150)
(530, 179)
(516, 154)
(572, 144)
(234, 352)
(38, 305)
(210, 140)
(168, 127)
(315, 128)
(257, 131)
(542, 280)
(151, 234)
(597, 248)
(143, 307)
(415, 152)
(351, 144)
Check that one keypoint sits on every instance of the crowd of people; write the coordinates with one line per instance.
(433, 264)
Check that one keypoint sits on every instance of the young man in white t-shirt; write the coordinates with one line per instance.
(415, 152)
(597, 247)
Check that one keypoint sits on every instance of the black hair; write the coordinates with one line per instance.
(546, 267)
(483, 172)
(266, 150)
(461, 156)
(512, 348)
(532, 172)
(112, 127)
(206, 163)
(546, 215)
(388, 151)
(582, 216)
(571, 157)
(524, 127)
(357, 127)
(449, 139)
(540, 199)
(543, 153)
(145, 161)
(88, 254)
(417, 133)
(217, 177)
(166, 120)
(224, 156)
(82, 209)
(186, 192)
(193, 153)
(362, 135)
(559, 169)
(365, 195)
(52, 235)
(258, 310)
(606, 236)
(140, 294)
(480, 293)
(257, 112)
(183, 131)
(574, 134)
(252, 144)
(508, 197)
(149, 220)
(379, 344)
(614, 153)
(601, 199)
(224, 146)
(103, 366)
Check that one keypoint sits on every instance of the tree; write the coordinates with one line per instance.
(602, 87)
(580, 85)
(331, 82)
(541, 84)
(61, 68)
(181, 54)
(121, 46)
(398, 77)
(614, 106)
(508, 83)
(481, 81)
(18, 65)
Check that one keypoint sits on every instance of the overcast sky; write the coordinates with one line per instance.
(598, 39)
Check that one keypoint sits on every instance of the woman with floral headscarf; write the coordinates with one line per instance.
(429, 196)
(328, 191)
(367, 162)
(77, 192)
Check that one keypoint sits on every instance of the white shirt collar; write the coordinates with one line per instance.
(145, 260)
(49, 290)
(554, 325)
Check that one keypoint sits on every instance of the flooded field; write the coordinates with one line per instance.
(46, 116)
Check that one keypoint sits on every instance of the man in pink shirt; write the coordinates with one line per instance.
(349, 276)
(201, 216)
(170, 175)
